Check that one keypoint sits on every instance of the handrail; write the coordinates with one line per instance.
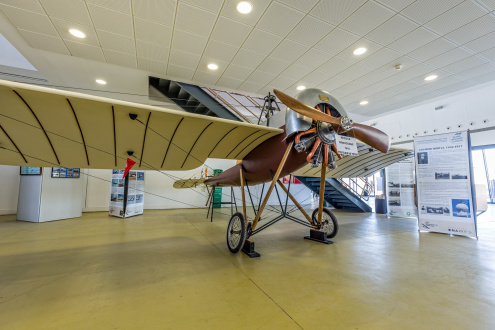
(228, 105)
(368, 187)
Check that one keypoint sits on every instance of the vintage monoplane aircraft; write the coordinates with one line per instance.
(54, 128)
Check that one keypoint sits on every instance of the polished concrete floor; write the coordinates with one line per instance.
(172, 270)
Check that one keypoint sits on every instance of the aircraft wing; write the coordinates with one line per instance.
(366, 163)
(46, 127)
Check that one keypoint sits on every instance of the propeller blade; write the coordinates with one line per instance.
(305, 110)
(367, 134)
(371, 136)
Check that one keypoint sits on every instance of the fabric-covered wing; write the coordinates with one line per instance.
(188, 183)
(368, 162)
(46, 127)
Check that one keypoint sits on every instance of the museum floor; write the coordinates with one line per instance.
(171, 269)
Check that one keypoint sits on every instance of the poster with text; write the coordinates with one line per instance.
(135, 194)
(444, 184)
(117, 190)
(400, 189)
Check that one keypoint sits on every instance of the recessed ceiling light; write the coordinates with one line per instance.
(244, 7)
(212, 66)
(432, 77)
(360, 51)
(363, 102)
(301, 88)
(77, 33)
(101, 81)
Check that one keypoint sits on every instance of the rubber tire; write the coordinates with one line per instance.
(233, 246)
(314, 217)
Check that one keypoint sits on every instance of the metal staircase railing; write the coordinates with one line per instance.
(360, 186)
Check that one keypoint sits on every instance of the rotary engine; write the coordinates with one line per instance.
(316, 136)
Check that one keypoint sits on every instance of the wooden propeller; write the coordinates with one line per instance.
(367, 134)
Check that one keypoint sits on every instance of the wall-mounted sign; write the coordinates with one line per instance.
(66, 173)
(26, 170)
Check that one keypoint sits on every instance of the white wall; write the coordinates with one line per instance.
(9, 189)
(472, 109)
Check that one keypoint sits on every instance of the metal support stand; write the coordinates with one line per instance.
(318, 236)
(248, 249)
(268, 108)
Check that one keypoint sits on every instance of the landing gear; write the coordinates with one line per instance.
(329, 222)
(236, 232)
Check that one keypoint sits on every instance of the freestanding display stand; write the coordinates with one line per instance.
(127, 195)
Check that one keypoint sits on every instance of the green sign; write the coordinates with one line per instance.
(218, 192)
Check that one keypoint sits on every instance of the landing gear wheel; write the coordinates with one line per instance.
(329, 222)
(236, 232)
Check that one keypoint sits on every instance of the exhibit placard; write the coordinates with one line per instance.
(444, 184)
(346, 145)
(400, 189)
(127, 195)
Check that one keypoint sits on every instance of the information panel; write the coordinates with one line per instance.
(127, 195)
(444, 184)
(400, 189)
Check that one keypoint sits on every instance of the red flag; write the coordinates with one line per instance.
(130, 163)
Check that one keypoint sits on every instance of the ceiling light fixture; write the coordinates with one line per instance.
(244, 7)
(360, 51)
(363, 102)
(432, 77)
(301, 88)
(101, 81)
(77, 33)
(212, 66)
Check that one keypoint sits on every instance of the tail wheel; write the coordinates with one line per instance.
(236, 232)
(329, 222)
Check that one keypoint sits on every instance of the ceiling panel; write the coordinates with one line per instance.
(295, 72)
(279, 19)
(152, 32)
(120, 58)
(111, 20)
(432, 49)
(359, 23)
(336, 41)
(180, 72)
(310, 30)
(227, 81)
(248, 59)
(475, 29)
(230, 32)
(313, 58)
(184, 59)
(210, 5)
(260, 77)
(31, 5)
(289, 50)
(396, 5)
(203, 20)
(335, 65)
(413, 40)
(188, 42)
(26, 20)
(203, 65)
(159, 11)
(239, 72)
(273, 66)
(63, 30)
(477, 71)
(85, 51)
(261, 42)
(391, 30)
(302, 5)
(118, 5)
(456, 17)
(449, 57)
(221, 51)
(70, 10)
(206, 77)
(425, 11)
(465, 64)
(151, 51)
(117, 42)
(152, 66)
(380, 58)
(480, 44)
(259, 6)
(336, 11)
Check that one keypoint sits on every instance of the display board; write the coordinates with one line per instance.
(64, 173)
(127, 195)
(445, 188)
(26, 170)
(400, 189)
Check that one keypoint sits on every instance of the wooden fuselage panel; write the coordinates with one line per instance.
(258, 163)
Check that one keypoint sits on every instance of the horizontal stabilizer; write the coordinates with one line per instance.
(188, 183)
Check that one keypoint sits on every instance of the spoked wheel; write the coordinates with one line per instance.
(236, 232)
(329, 222)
